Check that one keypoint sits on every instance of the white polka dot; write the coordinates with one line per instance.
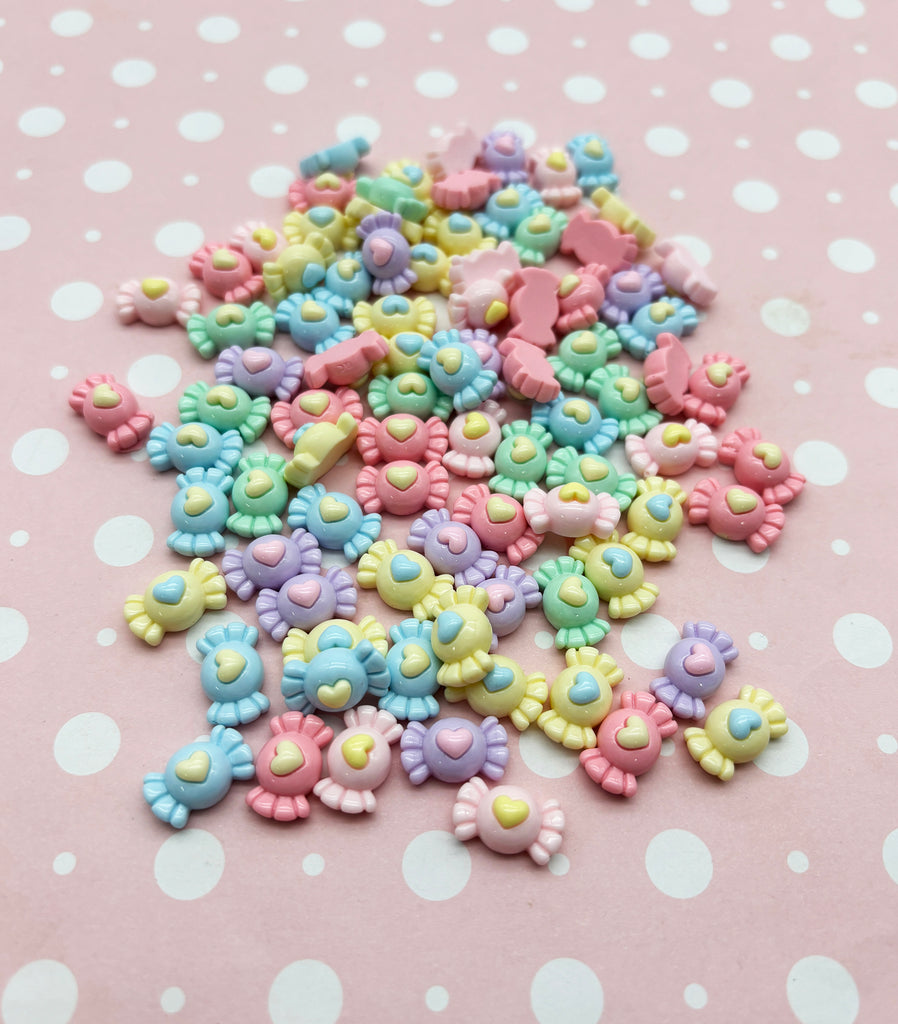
(179, 238)
(731, 93)
(510, 86)
(92, 236)
(710, 8)
(677, 194)
(190, 180)
(41, 992)
(755, 196)
(649, 45)
(436, 999)
(361, 81)
(40, 122)
(210, 76)
(695, 996)
(665, 140)
(24, 174)
(313, 864)
(132, 74)
(218, 29)
(286, 79)
(559, 864)
(890, 855)
(876, 94)
(769, 254)
(802, 387)
(78, 300)
(887, 744)
(862, 640)
(742, 143)
(144, 26)
(64, 863)
(507, 41)
(436, 3)
(436, 866)
(790, 47)
(667, 747)
(821, 991)
(14, 231)
(543, 757)
(797, 862)
(822, 463)
(566, 991)
(851, 255)
(107, 637)
(87, 743)
(785, 317)
(881, 384)
(40, 451)
(818, 144)
(201, 126)
(358, 125)
(154, 375)
(279, 128)
(785, 756)
(305, 992)
(738, 556)
(893, 194)
(575, 6)
(869, 317)
(436, 85)
(720, 46)
(189, 864)
(364, 34)
(544, 640)
(758, 641)
(173, 1000)
(845, 8)
(698, 247)
(271, 182)
(19, 538)
(679, 864)
(107, 176)
(523, 128)
(647, 638)
(121, 122)
(123, 540)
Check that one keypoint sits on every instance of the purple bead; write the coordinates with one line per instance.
(260, 371)
(629, 290)
(452, 547)
(454, 750)
(503, 153)
(511, 592)
(269, 561)
(305, 601)
(694, 669)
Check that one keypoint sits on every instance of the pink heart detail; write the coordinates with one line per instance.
(454, 537)
(304, 594)
(504, 145)
(454, 742)
(500, 595)
(699, 661)
(381, 251)
(630, 281)
(270, 553)
(256, 359)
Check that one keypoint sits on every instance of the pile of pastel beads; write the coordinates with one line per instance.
(483, 225)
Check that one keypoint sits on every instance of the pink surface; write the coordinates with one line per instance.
(766, 133)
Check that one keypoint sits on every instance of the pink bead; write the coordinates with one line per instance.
(347, 362)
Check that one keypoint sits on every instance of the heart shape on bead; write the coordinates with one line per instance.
(619, 561)
(229, 314)
(522, 450)
(335, 696)
(332, 510)
(660, 311)
(450, 359)
(314, 403)
(154, 287)
(572, 593)
(194, 768)
(586, 689)
(411, 384)
(230, 664)
(448, 626)
(222, 396)
(499, 596)
(719, 373)
(402, 477)
(574, 492)
(381, 250)
(400, 428)
(633, 734)
(577, 410)
(355, 750)
(674, 434)
(269, 552)
(312, 312)
(287, 758)
(415, 660)
(498, 680)
(498, 510)
(658, 507)
(476, 425)
(105, 397)
(170, 590)
(454, 743)
(510, 812)
(304, 594)
(628, 388)
(770, 454)
(700, 660)
(496, 311)
(454, 537)
(265, 238)
(256, 359)
(193, 434)
(740, 502)
(584, 344)
(403, 569)
(196, 500)
(258, 483)
(592, 470)
(567, 284)
(742, 721)
(222, 259)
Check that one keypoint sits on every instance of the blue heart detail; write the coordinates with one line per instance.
(409, 343)
(414, 174)
(448, 626)
(403, 569)
(585, 689)
(659, 507)
(743, 721)
(621, 562)
(395, 304)
(459, 224)
(334, 636)
(312, 275)
(499, 679)
(321, 216)
(169, 591)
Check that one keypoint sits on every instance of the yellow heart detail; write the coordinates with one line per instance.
(634, 734)
(508, 198)
(567, 284)
(229, 314)
(660, 311)
(495, 312)
(230, 664)
(557, 160)
(741, 502)
(223, 396)
(571, 592)
(476, 425)
(265, 238)
(414, 662)
(312, 312)
(314, 403)
(674, 434)
(401, 428)
(578, 410)
(259, 483)
(347, 269)
(594, 149)
(719, 373)
(540, 224)
(193, 434)
(411, 383)
(355, 750)
(628, 387)
(335, 696)
(224, 260)
(327, 181)
(287, 758)
(154, 287)
(592, 470)
(197, 500)
(105, 397)
(509, 812)
(194, 768)
(770, 453)
(402, 477)
(450, 359)
(574, 492)
(522, 450)
(498, 510)
(584, 344)
(331, 510)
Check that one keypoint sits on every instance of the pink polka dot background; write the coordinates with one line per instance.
(764, 136)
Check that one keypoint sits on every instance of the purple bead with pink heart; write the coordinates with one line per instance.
(694, 669)
(270, 561)
(452, 547)
(454, 750)
(305, 601)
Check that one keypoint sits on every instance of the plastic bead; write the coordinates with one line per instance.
(335, 520)
(505, 210)
(313, 326)
(110, 409)
(666, 316)
(324, 220)
(612, 209)
(193, 445)
(594, 161)
(260, 371)
(472, 440)
(507, 691)
(305, 601)
(456, 370)
(346, 282)
(341, 158)
(521, 458)
(258, 242)
(570, 603)
(454, 750)
(577, 423)
(335, 679)
(174, 601)
(225, 407)
(694, 668)
(299, 268)
(231, 674)
(616, 572)
(590, 240)
(318, 447)
(462, 637)
(327, 189)
(502, 152)
(404, 580)
(581, 352)
(386, 253)
(527, 370)
(628, 291)
(499, 522)
(334, 633)
(452, 548)
(670, 449)
(259, 496)
(594, 472)
(681, 271)
(572, 510)
(655, 519)
(554, 175)
(736, 513)
(622, 397)
(511, 592)
(402, 487)
(231, 324)
(465, 190)
(413, 671)
(157, 302)
(314, 406)
(412, 393)
(538, 236)
(288, 766)
(533, 308)
(761, 465)
(227, 274)
(269, 562)
(580, 698)
(199, 512)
